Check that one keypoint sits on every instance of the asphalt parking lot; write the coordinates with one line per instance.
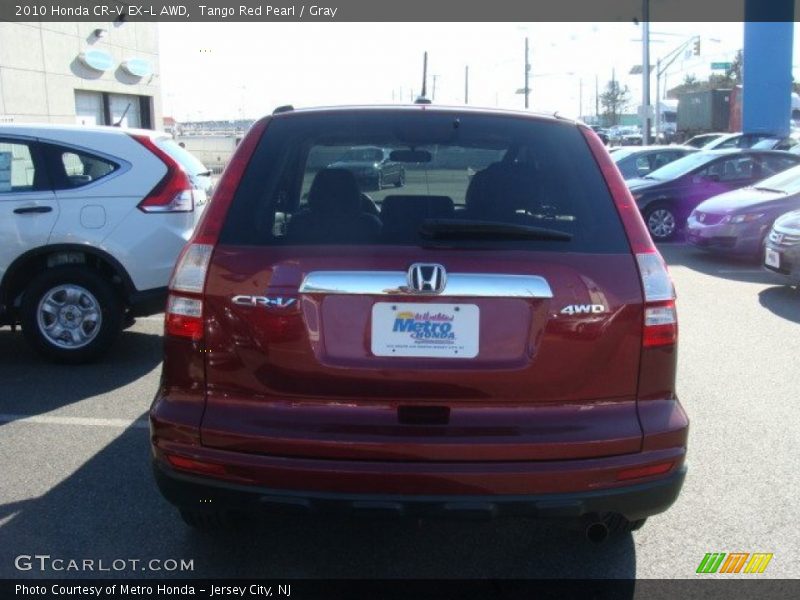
(76, 480)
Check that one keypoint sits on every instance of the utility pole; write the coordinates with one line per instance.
(424, 74)
(433, 92)
(597, 98)
(466, 84)
(658, 99)
(527, 89)
(580, 98)
(645, 72)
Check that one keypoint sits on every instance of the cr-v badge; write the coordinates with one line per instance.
(273, 301)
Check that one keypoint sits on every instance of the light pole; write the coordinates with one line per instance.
(527, 73)
(645, 72)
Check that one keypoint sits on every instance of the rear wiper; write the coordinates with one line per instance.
(462, 229)
(203, 174)
(766, 189)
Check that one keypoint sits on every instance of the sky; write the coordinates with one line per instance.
(245, 70)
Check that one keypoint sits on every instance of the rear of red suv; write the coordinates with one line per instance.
(496, 335)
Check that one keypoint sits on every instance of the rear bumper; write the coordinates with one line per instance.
(634, 501)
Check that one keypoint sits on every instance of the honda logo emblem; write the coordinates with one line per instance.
(427, 278)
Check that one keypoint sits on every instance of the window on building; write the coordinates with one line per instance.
(105, 108)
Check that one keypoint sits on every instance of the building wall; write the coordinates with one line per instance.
(40, 69)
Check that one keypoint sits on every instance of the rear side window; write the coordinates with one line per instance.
(386, 178)
(18, 170)
(80, 168)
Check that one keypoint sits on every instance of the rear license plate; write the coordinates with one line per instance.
(425, 330)
(772, 258)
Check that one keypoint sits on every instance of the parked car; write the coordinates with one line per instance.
(637, 162)
(601, 132)
(738, 222)
(737, 140)
(701, 140)
(413, 363)
(373, 166)
(778, 143)
(668, 195)
(91, 222)
(782, 251)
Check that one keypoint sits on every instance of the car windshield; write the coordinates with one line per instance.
(185, 158)
(786, 181)
(621, 154)
(362, 155)
(682, 166)
(766, 144)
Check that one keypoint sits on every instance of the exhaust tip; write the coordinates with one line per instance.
(597, 533)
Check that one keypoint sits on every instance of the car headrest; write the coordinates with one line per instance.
(501, 189)
(334, 191)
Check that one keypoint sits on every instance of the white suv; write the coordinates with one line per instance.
(91, 223)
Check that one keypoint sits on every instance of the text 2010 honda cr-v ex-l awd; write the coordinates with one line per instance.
(496, 336)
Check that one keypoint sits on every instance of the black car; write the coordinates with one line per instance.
(635, 162)
(668, 195)
(372, 166)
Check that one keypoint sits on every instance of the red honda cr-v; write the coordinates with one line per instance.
(495, 334)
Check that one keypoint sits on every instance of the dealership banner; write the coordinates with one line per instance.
(370, 10)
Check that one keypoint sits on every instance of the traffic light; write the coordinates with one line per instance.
(696, 50)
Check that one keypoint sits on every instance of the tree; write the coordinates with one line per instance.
(614, 100)
(716, 81)
(734, 73)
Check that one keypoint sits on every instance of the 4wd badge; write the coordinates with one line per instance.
(583, 309)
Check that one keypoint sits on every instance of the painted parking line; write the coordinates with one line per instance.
(73, 421)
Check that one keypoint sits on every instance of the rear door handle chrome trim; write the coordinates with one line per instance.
(392, 283)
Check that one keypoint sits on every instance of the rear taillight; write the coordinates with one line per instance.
(184, 315)
(660, 317)
(175, 192)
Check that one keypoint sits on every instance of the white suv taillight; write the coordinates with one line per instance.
(184, 316)
(660, 317)
(175, 192)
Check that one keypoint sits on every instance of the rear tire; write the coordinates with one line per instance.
(70, 314)
(662, 222)
(401, 179)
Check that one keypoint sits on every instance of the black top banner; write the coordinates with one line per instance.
(405, 11)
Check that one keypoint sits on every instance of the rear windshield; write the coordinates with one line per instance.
(485, 181)
(788, 181)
